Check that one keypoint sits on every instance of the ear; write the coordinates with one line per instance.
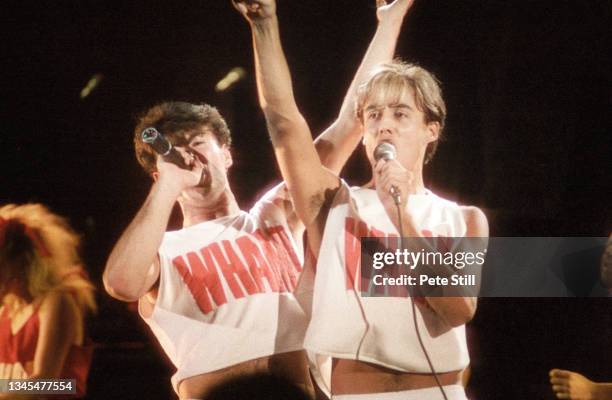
(433, 131)
(155, 175)
(227, 155)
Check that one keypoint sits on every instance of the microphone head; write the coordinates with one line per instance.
(384, 151)
(156, 140)
(149, 135)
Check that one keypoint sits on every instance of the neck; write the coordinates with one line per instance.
(419, 185)
(223, 206)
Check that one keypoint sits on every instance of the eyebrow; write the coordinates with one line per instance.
(400, 105)
(395, 105)
(199, 136)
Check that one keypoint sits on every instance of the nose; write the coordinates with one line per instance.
(386, 124)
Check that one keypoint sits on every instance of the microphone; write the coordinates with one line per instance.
(163, 147)
(386, 151)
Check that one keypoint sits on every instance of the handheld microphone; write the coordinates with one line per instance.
(386, 151)
(162, 146)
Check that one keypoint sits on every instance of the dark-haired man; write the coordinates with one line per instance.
(219, 293)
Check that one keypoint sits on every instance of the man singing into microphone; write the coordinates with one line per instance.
(219, 293)
(367, 348)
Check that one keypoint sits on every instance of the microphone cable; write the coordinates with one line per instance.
(414, 317)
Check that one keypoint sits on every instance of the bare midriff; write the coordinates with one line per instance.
(292, 366)
(358, 377)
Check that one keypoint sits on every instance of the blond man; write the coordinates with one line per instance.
(368, 348)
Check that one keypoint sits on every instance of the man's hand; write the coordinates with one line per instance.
(393, 12)
(255, 10)
(391, 174)
(175, 179)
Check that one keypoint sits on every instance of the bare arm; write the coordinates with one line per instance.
(457, 311)
(133, 265)
(61, 325)
(338, 141)
(307, 179)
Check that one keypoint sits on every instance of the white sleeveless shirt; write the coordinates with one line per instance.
(378, 330)
(226, 290)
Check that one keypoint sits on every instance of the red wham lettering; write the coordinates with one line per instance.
(233, 267)
(267, 255)
(354, 230)
(280, 236)
(201, 272)
(282, 257)
(258, 266)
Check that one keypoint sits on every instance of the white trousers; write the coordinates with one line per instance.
(453, 392)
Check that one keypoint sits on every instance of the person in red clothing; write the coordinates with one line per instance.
(44, 296)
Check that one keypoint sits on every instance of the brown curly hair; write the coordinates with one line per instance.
(176, 120)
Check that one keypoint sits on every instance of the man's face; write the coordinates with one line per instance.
(397, 121)
(216, 159)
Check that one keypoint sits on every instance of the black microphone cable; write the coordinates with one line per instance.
(414, 317)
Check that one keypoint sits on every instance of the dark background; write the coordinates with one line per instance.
(527, 85)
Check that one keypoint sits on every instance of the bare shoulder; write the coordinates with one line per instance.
(61, 305)
(475, 221)
(59, 310)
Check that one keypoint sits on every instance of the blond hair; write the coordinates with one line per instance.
(391, 80)
(49, 247)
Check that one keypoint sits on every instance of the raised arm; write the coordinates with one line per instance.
(133, 265)
(308, 181)
(337, 143)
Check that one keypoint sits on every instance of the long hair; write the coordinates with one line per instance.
(46, 248)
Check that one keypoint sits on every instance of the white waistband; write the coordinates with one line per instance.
(453, 392)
